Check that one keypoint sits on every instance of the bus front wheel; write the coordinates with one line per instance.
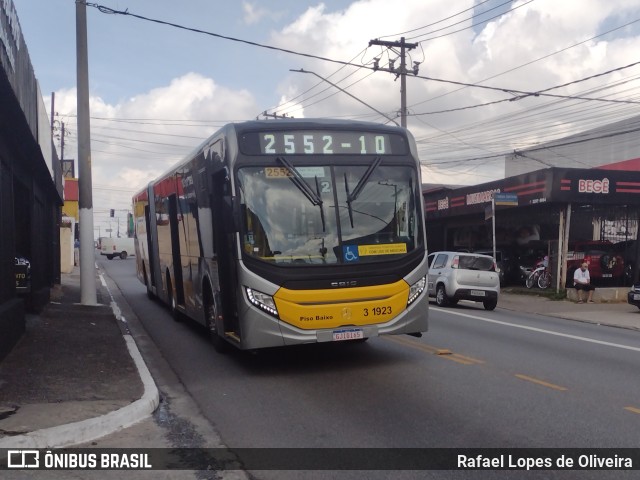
(211, 313)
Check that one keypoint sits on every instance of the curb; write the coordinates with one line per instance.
(564, 316)
(94, 428)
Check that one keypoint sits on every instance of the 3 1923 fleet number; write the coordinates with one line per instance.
(377, 311)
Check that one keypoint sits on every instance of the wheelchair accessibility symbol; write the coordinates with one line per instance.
(350, 253)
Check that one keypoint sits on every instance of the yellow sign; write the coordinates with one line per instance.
(277, 172)
(384, 249)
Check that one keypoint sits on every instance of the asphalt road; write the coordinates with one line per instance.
(476, 379)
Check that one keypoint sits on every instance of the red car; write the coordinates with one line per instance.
(604, 262)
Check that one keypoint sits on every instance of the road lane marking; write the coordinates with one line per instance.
(539, 330)
(469, 359)
(441, 352)
(633, 409)
(540, 382)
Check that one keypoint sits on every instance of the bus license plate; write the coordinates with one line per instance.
(607, 275)
(351, 334)
(478, 293)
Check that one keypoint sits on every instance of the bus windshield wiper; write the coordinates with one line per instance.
(305, 188)
(351, 197)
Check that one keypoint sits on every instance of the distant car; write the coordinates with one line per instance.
(22, 269)
(633, 297)
(604, 262)
(455, 276)
(117, 247)
(507, 264)
(627, 250)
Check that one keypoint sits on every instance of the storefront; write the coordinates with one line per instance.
(554, 211)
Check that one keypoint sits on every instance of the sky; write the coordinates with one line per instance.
(157, 91)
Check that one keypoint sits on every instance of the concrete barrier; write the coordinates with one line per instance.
(602, 295)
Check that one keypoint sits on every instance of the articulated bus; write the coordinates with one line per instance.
(285, 232)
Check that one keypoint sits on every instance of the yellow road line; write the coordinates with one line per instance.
(459, 359)
(470, 359)
(419, 346)
(633, 409)
(441, 352)
(540, 382)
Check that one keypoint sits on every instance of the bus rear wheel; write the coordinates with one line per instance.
(173, 303)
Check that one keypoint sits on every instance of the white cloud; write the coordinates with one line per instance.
(254, 14)
(136, 140)
(526, 49)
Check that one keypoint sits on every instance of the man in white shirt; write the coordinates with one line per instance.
(582, 281)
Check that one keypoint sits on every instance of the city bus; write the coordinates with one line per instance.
(285, 232)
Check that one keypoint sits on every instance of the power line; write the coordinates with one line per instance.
(147, 132)
(568, 142)
(540, 93)
(109, 10)
(163, 121)
(470, 26)
(533, 114)
(502, 90)
(284, 106)
(442, 20)
(536, 60)
(112, 11)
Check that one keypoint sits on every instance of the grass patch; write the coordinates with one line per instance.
(549, 293)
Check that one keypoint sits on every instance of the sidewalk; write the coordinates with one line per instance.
(614, 314)
(77, 375)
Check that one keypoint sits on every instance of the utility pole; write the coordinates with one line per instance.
(61, 140)
(87, 252)
(53, 106)
(56, 236)
(402, 72)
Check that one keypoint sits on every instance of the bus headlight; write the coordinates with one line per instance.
(262, 301)
(416, 289)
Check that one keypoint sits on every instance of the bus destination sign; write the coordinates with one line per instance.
(318, 142)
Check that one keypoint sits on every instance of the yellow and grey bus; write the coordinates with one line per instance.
(293, 231)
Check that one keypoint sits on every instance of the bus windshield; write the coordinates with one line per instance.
(329, 214)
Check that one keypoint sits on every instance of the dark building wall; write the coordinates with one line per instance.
(30, 190)
(7, 240)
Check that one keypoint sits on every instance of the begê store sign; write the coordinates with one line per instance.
(559, 185)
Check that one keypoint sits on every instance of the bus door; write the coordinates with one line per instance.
(151, 276)
(152, 246)
(175, 248)
(222, 231)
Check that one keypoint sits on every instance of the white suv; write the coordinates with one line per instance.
(457, 276)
